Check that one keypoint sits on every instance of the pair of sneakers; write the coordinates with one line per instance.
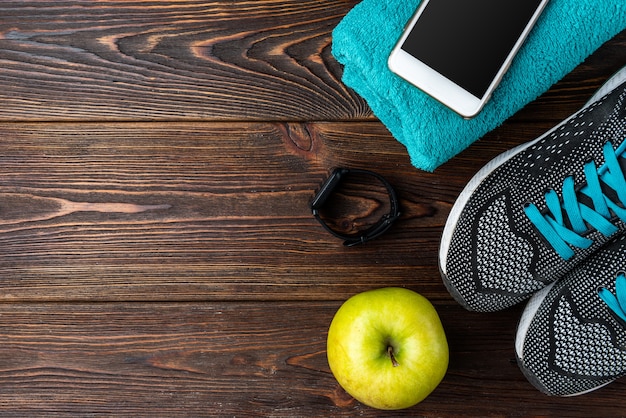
(546, 221)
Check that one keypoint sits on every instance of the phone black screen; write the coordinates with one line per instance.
(468, 41)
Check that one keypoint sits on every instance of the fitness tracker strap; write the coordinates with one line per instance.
(373, 231)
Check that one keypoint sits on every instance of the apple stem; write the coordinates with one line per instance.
(391, 356)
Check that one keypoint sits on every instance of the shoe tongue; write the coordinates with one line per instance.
(613, 194)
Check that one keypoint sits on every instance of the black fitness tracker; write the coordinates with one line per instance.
(326, 190)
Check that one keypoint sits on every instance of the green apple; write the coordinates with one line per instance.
(387, 348)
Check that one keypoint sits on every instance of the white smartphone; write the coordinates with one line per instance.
(458, 50)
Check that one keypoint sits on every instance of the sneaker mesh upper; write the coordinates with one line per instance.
(573, 344)
(495, 257)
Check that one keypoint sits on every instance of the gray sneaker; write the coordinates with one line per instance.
(533, 213)
(571, 338)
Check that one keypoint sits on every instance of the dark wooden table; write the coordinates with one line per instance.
(157, 253)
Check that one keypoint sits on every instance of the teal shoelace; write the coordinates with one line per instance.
(616, 302)
(584, 209)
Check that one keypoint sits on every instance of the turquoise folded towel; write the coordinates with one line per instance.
(567, 32)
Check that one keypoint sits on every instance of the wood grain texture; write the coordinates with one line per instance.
(130, 60)
(179, 211)
(240, 359)
(185, 60)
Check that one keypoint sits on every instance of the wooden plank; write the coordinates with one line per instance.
(229, 359)
(196, 211)
(123, 60)
(186, 60)
(190, 211)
